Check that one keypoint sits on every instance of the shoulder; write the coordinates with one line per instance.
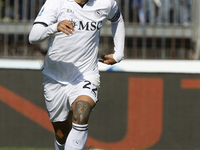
(108, 3)
(50, 9)
(53, 3)
(111, 2)
(53, 6)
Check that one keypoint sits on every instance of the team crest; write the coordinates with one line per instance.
(98, 13)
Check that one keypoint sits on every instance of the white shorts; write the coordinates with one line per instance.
(59, 97)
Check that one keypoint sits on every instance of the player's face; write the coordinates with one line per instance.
(81, 1)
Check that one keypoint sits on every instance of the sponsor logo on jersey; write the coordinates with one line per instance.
(90, 26)
(70, 11)
(86, 26)
(74, 22)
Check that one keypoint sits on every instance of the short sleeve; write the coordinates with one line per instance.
(48, 13)
(114, 14)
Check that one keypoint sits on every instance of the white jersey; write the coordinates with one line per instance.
(75, 56)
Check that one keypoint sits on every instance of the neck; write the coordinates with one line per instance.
(81, 1)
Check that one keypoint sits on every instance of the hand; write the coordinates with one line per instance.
(107, 59)
(66, 27)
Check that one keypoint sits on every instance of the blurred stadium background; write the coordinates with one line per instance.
(148, 101)
(153, 31)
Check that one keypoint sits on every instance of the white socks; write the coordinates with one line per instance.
(58, 146)
(77, 137)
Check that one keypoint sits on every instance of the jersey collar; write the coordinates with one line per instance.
(74, 1)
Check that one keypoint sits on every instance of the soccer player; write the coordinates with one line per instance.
(70, 70)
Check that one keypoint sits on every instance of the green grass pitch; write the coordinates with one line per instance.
(26, 149)
(30, 149)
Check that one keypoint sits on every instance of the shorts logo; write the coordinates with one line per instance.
(98, 13)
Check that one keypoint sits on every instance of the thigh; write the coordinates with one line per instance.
(88, 87)
(56, 99)
(83, 98)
